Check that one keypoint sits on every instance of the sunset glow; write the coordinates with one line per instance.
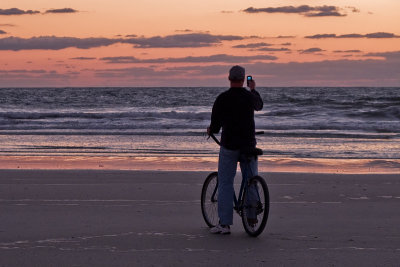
(193, 43)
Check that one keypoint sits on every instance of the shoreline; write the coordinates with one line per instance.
(178, 163)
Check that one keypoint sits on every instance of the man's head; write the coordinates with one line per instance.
(237, 75)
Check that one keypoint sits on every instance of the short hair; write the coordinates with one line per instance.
(236, 73)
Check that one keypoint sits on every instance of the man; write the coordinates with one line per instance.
(233, 110)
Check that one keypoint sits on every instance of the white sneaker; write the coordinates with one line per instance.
(221, 229)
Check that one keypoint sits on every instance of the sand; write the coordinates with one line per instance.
(139, 218)
(200, 163)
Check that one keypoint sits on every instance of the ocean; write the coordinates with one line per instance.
(322, 123)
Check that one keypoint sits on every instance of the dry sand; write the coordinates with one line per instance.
(127, 218)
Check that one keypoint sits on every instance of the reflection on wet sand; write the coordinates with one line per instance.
(179, 163)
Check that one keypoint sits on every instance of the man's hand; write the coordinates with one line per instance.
(252, 85)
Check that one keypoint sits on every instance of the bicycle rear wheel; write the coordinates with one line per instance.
(255, 206)
(209, 197)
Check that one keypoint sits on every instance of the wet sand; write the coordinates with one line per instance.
(139, 218)
(200, 163)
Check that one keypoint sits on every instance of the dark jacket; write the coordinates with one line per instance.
(233, 110)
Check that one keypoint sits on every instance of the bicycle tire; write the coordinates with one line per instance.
(209, 203)
(260, 210)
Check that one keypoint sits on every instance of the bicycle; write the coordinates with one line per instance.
(252, 203)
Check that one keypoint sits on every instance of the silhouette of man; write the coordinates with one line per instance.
(233, 111)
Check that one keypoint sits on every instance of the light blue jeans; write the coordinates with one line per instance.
(227, 165)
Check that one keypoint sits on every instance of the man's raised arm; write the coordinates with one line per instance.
(257, 100)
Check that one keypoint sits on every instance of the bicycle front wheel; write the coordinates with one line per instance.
(255, 206)
(209, 198)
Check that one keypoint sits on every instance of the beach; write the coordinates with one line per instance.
(112, 176)
(106, 111)
(153, 218)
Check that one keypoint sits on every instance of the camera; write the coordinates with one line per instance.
(249, 78)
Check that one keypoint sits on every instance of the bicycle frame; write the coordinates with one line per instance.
(243, 184)
(238, 201)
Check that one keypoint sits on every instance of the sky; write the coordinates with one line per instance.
(47, 43)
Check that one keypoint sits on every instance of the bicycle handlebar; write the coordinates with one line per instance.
(214, 138)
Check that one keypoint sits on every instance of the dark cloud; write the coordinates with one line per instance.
(354, 35)
(53, 43)
(41, 78)
(201, 59)
(326, 14)
(61, 10)
(321, 36)
(252, 45)
(320, 73)
(351, 35)
(272, 49)
(381, 35)
(17, 11)
(384, 71)
(181, 40)
(7, 25)
(353, 9)
(135, 72)
(285, 36)
(388, 56)
(213, 70)
(121, 60)
(332, 72)
(286, 44)
(185, 30)
(347, 51)
(262, 47)
(305, 10)
(83, 58)
(2, 32)
(170, 41)
(254, 37)
(19, 71)
(311, 50)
